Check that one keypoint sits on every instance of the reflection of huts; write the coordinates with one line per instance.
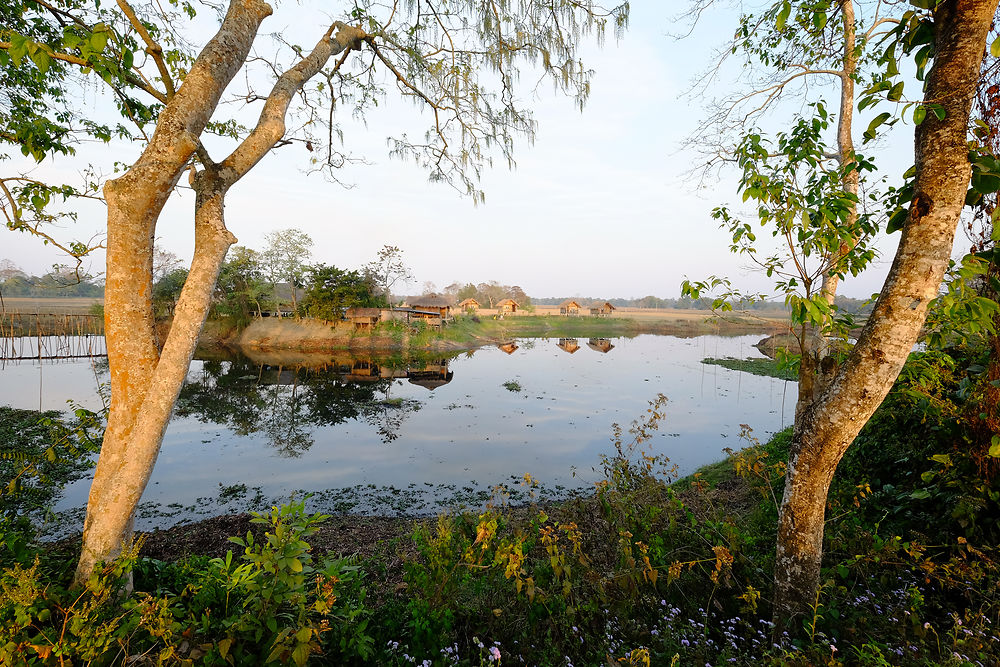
(508, 347)
(600, 344)
(601, 308)
(363, 371)
(569, 307)
(469, 305)
(507, 306)
(570, 345)
(431, 376)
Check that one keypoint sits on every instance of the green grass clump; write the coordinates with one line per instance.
(764, 367)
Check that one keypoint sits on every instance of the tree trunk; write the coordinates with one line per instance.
(828, 427)
(134, 203)
(145, 385)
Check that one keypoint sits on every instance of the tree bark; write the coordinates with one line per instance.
(831, 423)
(145, 383)
(814, 344)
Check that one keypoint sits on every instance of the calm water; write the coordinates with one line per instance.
(385, 436)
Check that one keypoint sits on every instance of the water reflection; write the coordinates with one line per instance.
(600, 344)
(570, 345)
(286, 402)
(509, 348)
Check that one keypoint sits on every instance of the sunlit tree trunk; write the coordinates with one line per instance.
(145, 383)
(826, 429)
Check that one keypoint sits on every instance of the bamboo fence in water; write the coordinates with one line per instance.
(51, 336)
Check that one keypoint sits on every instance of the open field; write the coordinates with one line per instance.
(59, 306)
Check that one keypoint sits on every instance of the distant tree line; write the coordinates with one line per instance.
(846, 304)
(61, 281)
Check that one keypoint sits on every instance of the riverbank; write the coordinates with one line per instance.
(470, 332)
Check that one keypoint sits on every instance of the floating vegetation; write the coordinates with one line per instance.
(764, 367)
(513, 385)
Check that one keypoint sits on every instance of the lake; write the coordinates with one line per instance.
(398, 436)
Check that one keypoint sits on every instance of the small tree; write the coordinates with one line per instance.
(387, 270)
(330, 291)
(284, 259)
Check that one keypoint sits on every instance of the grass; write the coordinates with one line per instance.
(512, 385)
(764, 367)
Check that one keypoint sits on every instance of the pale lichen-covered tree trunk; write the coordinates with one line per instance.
(831, 423)
(144, 382)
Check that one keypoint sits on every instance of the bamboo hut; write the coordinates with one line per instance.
(569, 307)
(507, 306)
(469, 305)
(601, 309)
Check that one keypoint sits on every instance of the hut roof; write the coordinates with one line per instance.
(569, 302)
(468, 302)
(508, 302)
(430, 301)
(602, 304)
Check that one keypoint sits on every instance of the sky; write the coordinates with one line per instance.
(601, 204)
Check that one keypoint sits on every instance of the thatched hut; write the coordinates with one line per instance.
(569, 307)
(432, 304)
(601, 308)
(364, 318)
(507, 306)
(469, 305)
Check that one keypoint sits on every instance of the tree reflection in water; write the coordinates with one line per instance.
(287, 403)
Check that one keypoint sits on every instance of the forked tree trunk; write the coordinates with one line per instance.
(145, 384)
(830, 424)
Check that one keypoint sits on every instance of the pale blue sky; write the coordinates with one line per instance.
(598, 206)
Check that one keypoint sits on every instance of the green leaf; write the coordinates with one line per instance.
(873, 126)
(995, 48)
(41, 60)
(919, 113)
(896, 92)
(786, 9)
(921, 494)
(301, 654)
(18, 48)
(995, 447)
(896, 220)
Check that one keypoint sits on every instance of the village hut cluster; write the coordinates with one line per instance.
(573, 308)
(432, 310)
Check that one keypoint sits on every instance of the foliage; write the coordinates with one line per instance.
(242, 287)
(40, 452)
(331, 291)
(59, 282)
(277, 606)
(800, 196)
(387, 270)
(167, 290)
(284, 259)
